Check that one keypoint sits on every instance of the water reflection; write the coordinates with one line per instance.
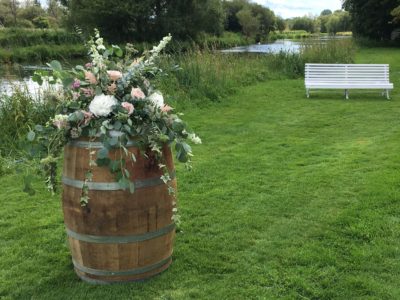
(282, 45)
(274, 47)
(19, 77)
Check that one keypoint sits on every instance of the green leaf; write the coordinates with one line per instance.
(102, 153)
(114, 166)
(103, 162)
(117, 50)
(37, 78)
(117, 125)
(178, 125)
(55, 65)
(67, 81)
(113, 141)
(99, 91)
(131, 187)
(39, 128)
(124, 183)
(31, 136)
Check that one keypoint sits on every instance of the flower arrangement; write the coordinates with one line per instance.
(111, 99)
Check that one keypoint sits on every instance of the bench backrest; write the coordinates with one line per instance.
(347, 73)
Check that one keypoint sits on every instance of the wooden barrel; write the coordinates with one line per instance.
(119, 236)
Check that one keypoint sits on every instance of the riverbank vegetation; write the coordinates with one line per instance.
(284, 201)
(39, 45)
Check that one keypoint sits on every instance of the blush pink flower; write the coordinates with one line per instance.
(89, 76)
(87, 116)
(114, 75)
(137, 93)
(128, 106)
(166, 108)
(89, 92)
(88, 65)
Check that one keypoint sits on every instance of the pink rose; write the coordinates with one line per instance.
(137, 93)
(88, 65)
(89, 76)
(114, 75)
(128, 106)
(166, 108)
(87, 116)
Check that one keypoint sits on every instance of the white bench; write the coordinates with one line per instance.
(347, 76)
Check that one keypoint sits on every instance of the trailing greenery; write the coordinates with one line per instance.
(290, 198)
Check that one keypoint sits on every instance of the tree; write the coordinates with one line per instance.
(280, 24)
(326, 12)
(265, 16)
(231, 9)
(147, 20)
(396, 15)
(371, 18)
(250, 24)
(303, 23)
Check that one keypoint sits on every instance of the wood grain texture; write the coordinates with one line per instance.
(118, 213)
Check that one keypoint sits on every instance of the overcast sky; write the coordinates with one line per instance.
(293, 8)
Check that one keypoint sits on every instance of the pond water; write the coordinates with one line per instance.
(273, 47)
(282, 45)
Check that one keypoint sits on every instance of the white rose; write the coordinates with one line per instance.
(157, 99)
(101, 105)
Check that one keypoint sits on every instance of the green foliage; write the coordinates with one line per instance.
(147, 20)
(372, 19)
(42, 53)
(33, 45)
(303, 23)
(15, 13)
(289, 199)
(41, 22)
(254, 20)
(16, 37)
(18, 113)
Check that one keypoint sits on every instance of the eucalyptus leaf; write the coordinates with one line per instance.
(55, 65)
(102, 153)
(31, 136)
(131, 187)
(113, 141)
(98, 91)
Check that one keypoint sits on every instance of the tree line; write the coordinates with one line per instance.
(149, 20)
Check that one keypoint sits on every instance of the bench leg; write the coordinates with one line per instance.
(387, 95)
(308, 93)
(346, 94)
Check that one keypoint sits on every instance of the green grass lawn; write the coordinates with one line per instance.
(290, 198)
